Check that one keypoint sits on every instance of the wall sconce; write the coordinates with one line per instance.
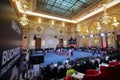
(63, 24)
(32, 42)
(43, 42)
(39, 20)
(65, 42)
(52, 22)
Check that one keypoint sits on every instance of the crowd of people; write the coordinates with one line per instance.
(60, 70)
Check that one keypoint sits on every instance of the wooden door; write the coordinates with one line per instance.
(61, 42)
(38, 43)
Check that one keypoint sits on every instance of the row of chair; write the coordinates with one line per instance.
(110, 72)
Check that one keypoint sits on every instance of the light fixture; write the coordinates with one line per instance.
(63, 24)
(83, 36)
(78, 28)
(20, 9)
(24, 20)
(91, 35)
(33, 42)
(65, 42)
(39, 20)
(43, 42)
(98, 26)
(102, 34)
(105, 18)
(52, 22)
(115, 22)
(87, 30)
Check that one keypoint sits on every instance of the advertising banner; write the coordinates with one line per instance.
(10, 42)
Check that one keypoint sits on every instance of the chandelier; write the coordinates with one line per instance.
(115, 22)
(78, 28)
(105, 18)
(98, 26)
(24, 20)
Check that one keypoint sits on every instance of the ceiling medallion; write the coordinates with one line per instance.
(61, 31)
(38, 29)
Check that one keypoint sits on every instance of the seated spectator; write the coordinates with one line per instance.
(67, 60)
(67, 66)
(70, 71)
(60, 66)
(107, 59)
(51, 66)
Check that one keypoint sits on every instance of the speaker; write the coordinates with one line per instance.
(34, 37)
(55, 36)
(36, 59)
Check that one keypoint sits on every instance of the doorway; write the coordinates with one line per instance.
(61, 42)
(38, 43)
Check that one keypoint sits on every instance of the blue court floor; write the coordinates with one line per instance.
(54, 58)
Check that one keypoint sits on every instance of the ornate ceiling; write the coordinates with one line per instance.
(65, 8)
(71, 11)
(68, 11)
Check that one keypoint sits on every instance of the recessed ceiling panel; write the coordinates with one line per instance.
(65, 8)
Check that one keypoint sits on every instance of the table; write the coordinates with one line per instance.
(78, 75)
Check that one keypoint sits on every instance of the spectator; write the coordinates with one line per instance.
(70, 71)
(29, 74)
(24, 67)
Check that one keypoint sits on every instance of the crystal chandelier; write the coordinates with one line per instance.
(105, 18)
(98, 26)
(115, 22)
(78, 28)
(24, 20)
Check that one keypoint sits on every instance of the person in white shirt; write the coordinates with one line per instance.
(70, 51)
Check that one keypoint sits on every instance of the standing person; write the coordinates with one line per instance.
(69, 52)
(93, 52)
(29, 75)
(24, 67)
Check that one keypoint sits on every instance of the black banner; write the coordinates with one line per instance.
(10, 42)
